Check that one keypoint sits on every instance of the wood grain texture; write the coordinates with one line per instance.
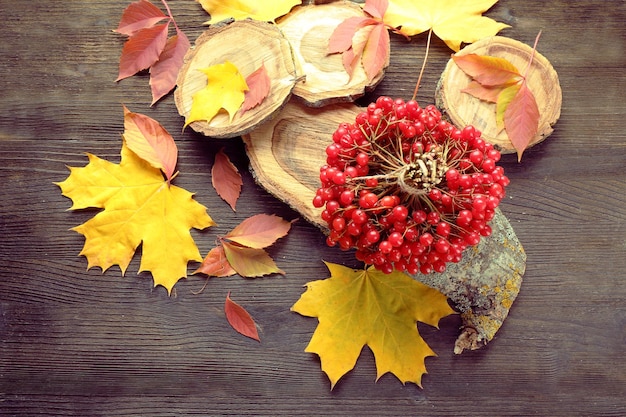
(81, 343)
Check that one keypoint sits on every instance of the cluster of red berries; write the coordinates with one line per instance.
(408, 190)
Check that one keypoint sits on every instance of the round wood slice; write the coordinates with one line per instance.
(248, 44)
(286, 154)
(464, 109)
(308, 28)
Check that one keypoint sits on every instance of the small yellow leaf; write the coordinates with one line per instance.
(140, 207)
(225, 89)
(266, 11)
(367, 307)
(453, 21)
(504, 98)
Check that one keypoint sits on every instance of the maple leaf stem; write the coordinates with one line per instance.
(419, 79)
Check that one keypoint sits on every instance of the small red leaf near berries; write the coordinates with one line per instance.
(375, 51)
(481, 92)
(226, 179)
(240, 319)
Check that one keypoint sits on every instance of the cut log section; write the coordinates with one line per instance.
(247, 44)
(286, 154)
(325, 81)
(464, 109)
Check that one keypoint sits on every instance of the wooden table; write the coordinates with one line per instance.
(78, 342)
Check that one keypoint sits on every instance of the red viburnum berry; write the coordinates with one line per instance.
(408, 190)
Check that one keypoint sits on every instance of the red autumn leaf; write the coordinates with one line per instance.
(479, 91)
(139, 15)
(163, 73)
(259, 84)
(259, 231)
(215, 264)
(249, 262)
(240, 319)
(375, 52)
(226, 179)
(142, 50)
(341, 38)
(376, 8)
(521, 119)
(150, 141)
(489, 71)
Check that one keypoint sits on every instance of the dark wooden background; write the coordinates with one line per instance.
(78, 342)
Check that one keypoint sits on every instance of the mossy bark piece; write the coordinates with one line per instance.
(248, 44)
(484, 284)
(464, 109)
(285, 157)
(325, 80)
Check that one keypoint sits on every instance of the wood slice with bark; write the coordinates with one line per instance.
(286, 154)
(325, 81)
(464, 109)
(248, 44)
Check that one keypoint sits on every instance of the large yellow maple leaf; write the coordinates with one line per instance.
(367, 307)
(453, 21)
(140, 207)
(225, 89)
(266, 11)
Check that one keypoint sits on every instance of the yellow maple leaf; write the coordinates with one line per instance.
(140, 207)
(225, 89)
(367, 307)
(266, 11)
(453, 21)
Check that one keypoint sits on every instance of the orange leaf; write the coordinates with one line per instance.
(142, 50)
(521, 119)
(226, 179)
(376, 8)
(341, 38)
(150, 141)
(259, 84)
(249, 262)
(139, 15)
(240, 319)
(216, 264)
(259, 231)
(489, 71)
(479, 91)
(163, 73)
(375, 52)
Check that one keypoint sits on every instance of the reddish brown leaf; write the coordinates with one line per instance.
(259, 85)
(142, 50)
(259, 231)
(376, 8)
(375, 52)
(163, 73)
(521, 119)
(489, 71)
(139, 15)
(215, 264)
(249, 262)
(341, 38)
(150, 141)
(226, 179)
(350, 61)
(479, 91)
(240, 319)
